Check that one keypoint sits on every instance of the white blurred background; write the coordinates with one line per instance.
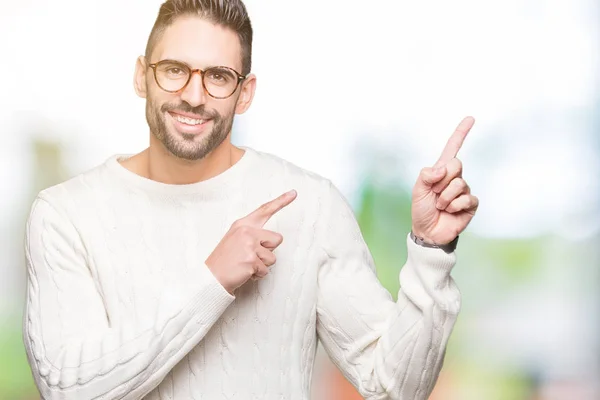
(364, 93)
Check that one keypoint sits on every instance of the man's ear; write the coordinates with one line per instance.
(246, 95)
(139, 79)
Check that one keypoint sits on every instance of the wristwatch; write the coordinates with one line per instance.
(448, 248)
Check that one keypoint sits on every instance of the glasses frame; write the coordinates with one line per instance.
(202, 72)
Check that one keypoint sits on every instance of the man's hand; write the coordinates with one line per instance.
(442, 203)
(246, 250)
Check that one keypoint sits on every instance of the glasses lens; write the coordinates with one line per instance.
(172, 76)
(220, 82)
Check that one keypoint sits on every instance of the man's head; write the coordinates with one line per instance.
(190, 110)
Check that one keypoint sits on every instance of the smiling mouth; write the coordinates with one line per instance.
(188, 120)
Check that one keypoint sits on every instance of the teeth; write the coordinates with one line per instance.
(189, 121)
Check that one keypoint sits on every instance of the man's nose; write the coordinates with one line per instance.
(194, 93)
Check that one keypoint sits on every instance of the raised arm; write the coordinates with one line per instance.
(386, 349)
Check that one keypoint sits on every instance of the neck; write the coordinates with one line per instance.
(158, 164)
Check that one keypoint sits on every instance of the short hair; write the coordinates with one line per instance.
(231, 14)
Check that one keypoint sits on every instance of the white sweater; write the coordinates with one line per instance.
(120, 304)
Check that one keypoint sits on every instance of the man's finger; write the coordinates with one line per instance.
(269, 239)
(455, 189)
(260, 270)
(465, 203)
(431, 176)
(456, 141)
(454, 169)
(262, 214)
(266, 256)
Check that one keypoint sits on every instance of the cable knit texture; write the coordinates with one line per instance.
(120, 304)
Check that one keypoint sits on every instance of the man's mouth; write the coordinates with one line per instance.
(190, 124)
(189, 119)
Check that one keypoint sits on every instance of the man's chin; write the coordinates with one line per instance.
(185, 146)
(187, 153)
(181, 135)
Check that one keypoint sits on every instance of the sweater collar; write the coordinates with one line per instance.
(219, 186)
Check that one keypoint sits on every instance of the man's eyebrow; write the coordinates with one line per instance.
(192, 66)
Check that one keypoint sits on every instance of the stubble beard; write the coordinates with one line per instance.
(182, 145)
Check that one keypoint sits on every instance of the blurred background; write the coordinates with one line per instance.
(366, 94)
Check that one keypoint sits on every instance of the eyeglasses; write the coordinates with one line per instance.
(219, 82)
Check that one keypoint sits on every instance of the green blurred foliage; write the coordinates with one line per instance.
(16, 382)
(384, 219)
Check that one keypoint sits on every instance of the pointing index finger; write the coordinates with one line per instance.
(456, 141)
(263, 213)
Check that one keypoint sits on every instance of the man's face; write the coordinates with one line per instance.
(190, 123)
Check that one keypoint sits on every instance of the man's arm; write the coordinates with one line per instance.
(386, 349)
(75, 352)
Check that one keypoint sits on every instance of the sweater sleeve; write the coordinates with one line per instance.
(386, 349)
(74, 350)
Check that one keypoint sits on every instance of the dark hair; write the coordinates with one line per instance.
(231, 14)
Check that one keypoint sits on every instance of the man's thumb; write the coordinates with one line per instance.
(431, 176)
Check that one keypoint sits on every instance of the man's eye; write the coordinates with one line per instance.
(217, 77)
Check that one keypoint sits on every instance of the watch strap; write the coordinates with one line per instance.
(448, 248)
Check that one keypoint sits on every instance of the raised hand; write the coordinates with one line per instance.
(246, 250)
(442, 203)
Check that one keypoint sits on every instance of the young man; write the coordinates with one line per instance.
(183, 272)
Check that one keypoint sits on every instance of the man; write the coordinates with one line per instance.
(183, 272)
